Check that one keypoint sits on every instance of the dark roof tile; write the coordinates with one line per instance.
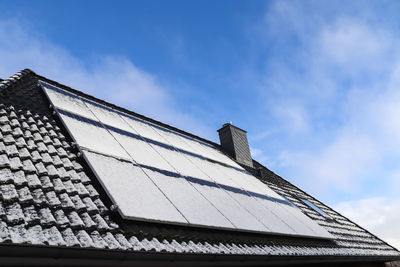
(16, 164)
(46, 217)
(41, 169)
(14, 214)
(36, 235)
(52, 171)
(28, 166)
(101, 223)
(4, 161)
(98, 241)
(52, 199)
(70, 188)
(38, 197)
(24, 195)
(19, 234)
(66, 202)
(87, 220)
(12, 151)
(58, 185)
(36, 156)
(47, 185)
(4, 233)
(84, 239)
(76, 221)
(61, 218)
(8, 193)
(70, 238)
(33, 181)
(111, 241)
(31, 216)
(54, 236)
(79, 205)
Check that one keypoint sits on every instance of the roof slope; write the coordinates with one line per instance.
(50, 198)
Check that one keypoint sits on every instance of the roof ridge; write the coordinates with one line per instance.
(14, 78)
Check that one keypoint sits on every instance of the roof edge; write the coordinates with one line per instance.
(40, 254)
(14, 78)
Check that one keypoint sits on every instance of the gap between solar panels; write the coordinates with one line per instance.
(152, 173)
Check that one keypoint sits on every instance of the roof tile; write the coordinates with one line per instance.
(54, 236)
(8, 193)
(25, 196)
(19, 234)
(30, 215)
(66, 202)
(14, 213)
(98, 241)
(46, 217)
(84, 239)
(4, 161)
(36, 235)
(70, 238)
(33, 181)
(76, 221)
(61, 218)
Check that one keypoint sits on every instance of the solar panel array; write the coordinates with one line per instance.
(152, 173)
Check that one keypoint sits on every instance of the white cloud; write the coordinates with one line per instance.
(294, 119)
(113, 78)
(336, 102)
(343, 73)
(353, 43)
(338, 166)
(379, 215)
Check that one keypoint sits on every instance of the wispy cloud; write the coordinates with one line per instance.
(328, 93)
(111, 77)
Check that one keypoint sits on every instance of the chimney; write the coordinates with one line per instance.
(234, 143)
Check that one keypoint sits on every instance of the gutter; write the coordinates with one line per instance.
(40, 255)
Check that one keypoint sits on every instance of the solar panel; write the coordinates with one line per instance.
(144, 197)
(152, 173)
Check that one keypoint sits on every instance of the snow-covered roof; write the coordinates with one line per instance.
(51, 199)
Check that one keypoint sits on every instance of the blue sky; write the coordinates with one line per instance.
(315, 83)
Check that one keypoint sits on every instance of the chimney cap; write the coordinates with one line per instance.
(229, 124)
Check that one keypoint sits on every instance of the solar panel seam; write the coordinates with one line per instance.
(109, 127)
(193, 179)
(220, 185)
(132, 160)
(261, 203)
(298, 218)
(269, 210)
(185, 178)
(117, 130)
(254, 194)
(284, 201)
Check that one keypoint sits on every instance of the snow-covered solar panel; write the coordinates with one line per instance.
(152, 173)
(145, 199)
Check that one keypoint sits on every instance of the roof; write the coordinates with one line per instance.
(52, 205)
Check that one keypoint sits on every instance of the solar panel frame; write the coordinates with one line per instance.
(226, 162)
